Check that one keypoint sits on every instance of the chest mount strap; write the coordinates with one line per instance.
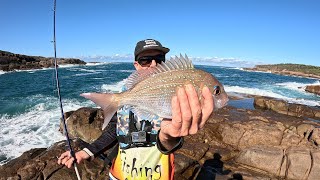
(138, 137)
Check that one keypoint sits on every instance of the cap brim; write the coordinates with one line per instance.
(163, 49)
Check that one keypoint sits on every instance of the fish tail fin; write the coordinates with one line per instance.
(107, 102)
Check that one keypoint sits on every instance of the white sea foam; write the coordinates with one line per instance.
(269, 93)
(86, 72)
(267, 72)
(315, 83)
(303, 101)
(27, 70)
(292, 85)
(2, 72)
(238, 68)
(69, 65)
(296, 86)
(32, 70)
(117, 87)
(129, 71)
(219, 75)
(253, 91)
(37, 128)
(96, 63)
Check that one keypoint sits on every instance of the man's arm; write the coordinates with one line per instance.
(105, 141)
(188, 116)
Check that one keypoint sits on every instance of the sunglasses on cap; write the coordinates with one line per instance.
(147, 60)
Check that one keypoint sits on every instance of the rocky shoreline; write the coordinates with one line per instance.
(277, 140)
(11, 62)
(284, 72)
(278, 69)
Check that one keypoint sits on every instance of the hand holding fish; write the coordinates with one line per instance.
(189, 114)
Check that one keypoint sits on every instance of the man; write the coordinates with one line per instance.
(147, 146)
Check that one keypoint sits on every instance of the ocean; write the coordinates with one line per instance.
(29, 107)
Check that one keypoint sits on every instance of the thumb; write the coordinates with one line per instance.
(78, 157)
(79, 160)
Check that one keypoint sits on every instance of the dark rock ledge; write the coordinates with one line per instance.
(11, 62)
(283, 107)
(235, 143)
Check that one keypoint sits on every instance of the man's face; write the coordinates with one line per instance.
(146, 61)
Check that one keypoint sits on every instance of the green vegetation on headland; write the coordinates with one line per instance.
(289, 69)
(293, 67)
(10, 61)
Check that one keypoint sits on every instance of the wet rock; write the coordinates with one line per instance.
(260, 133)
(283, 107)
(313, 89)
(42, 164)
(266, 158)
(182, 163)
(315, 171)
(85, 123)
(297, 163)
(10, 170)
(300, 110)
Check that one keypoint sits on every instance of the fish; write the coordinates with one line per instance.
(149, 92)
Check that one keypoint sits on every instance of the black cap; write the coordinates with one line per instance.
(149, 44)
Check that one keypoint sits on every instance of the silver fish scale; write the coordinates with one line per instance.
(154, 94)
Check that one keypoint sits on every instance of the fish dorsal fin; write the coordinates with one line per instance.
(177, 63)
(138, 76)
(174, 64)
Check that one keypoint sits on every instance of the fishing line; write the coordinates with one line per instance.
(58, 91)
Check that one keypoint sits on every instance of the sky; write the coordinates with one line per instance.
(225, 32)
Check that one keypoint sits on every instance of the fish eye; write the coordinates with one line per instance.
(216, 90)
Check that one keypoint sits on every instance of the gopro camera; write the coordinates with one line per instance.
(139, 137)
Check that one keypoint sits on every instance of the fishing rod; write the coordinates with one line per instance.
(58, 90)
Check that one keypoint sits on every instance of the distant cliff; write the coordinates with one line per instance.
(289, 69)
(10, 61)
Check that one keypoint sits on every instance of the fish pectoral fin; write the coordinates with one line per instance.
(108, 113)
(144, 114)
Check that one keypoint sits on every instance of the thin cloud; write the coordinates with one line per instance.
(217, 61)
(101, 58)
(213, 61)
